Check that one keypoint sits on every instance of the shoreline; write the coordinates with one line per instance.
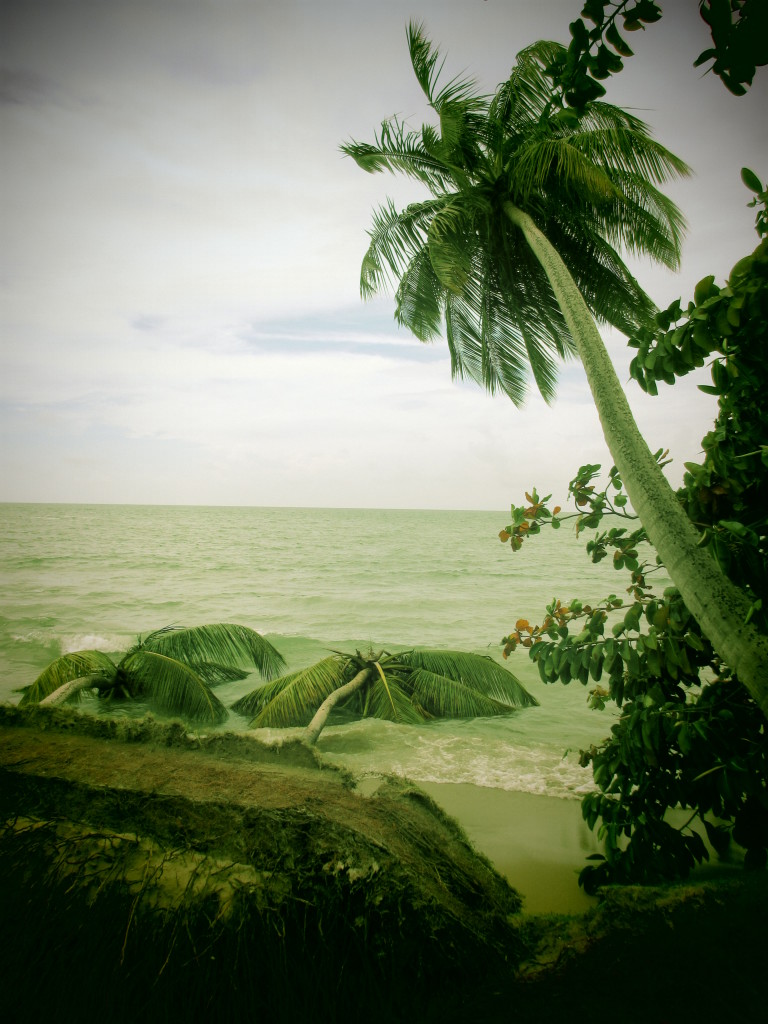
(538, 843)
(541, 843)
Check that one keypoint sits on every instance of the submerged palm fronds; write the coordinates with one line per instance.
(173, 670)
(406, 687)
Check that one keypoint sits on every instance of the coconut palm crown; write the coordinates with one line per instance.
(408, 687)
(515, 252)
(173, 670)
(464, 268)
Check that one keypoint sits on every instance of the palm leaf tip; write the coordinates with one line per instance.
(424, 58)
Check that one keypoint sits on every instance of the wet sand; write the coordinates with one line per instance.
(539, 843)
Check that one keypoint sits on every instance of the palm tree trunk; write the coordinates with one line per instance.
(317, 724)
(720, 607)
(67, 690)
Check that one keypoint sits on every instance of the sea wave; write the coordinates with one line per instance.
(94, 577)
(471, 751)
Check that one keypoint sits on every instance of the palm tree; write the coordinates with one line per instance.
(173, 670)
(407, 687)
(514, 254)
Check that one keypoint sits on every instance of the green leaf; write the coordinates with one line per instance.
(704, 56)
(705, 289)
(579, 33)
(751, 180)
(613, 37)
(594, 10)
(596, 664)
(739, 530)
(632, 617)
(647, 11)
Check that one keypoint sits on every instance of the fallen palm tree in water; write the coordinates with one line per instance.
(173, 670)
(408, 687)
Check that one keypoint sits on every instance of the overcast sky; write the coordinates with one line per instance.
(181, 245)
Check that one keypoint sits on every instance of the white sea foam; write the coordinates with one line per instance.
(92, 642)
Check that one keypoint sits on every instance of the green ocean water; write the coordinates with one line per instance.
(80, 577)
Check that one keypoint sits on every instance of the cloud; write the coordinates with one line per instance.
(182, 247)
(21, 85)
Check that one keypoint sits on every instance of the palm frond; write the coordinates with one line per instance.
(611, 292)
(214, 674)
(642, 220)
(464, 342)
(441, 697)
(396, 238)
(525, 98)
(75, 665)
(222, 642)
(170, 686)
(294, 698)
(425, 59)
(615, 141)
(506, 325)
(476, 679)
(388, 696)
(428, 66)
(450, 238)
(543, 159)
(525, 293)
(543, 369)
(419, 298)
(396, 148)
(504, 365)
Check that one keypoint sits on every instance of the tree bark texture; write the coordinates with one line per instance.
(67, 690)
(317, 724)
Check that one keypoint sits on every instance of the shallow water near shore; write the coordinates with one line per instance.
(94, 576)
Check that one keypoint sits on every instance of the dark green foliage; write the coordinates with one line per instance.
(689, 737)
(739, 40)
(677, 743)
(727, 494)
(739, 31)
